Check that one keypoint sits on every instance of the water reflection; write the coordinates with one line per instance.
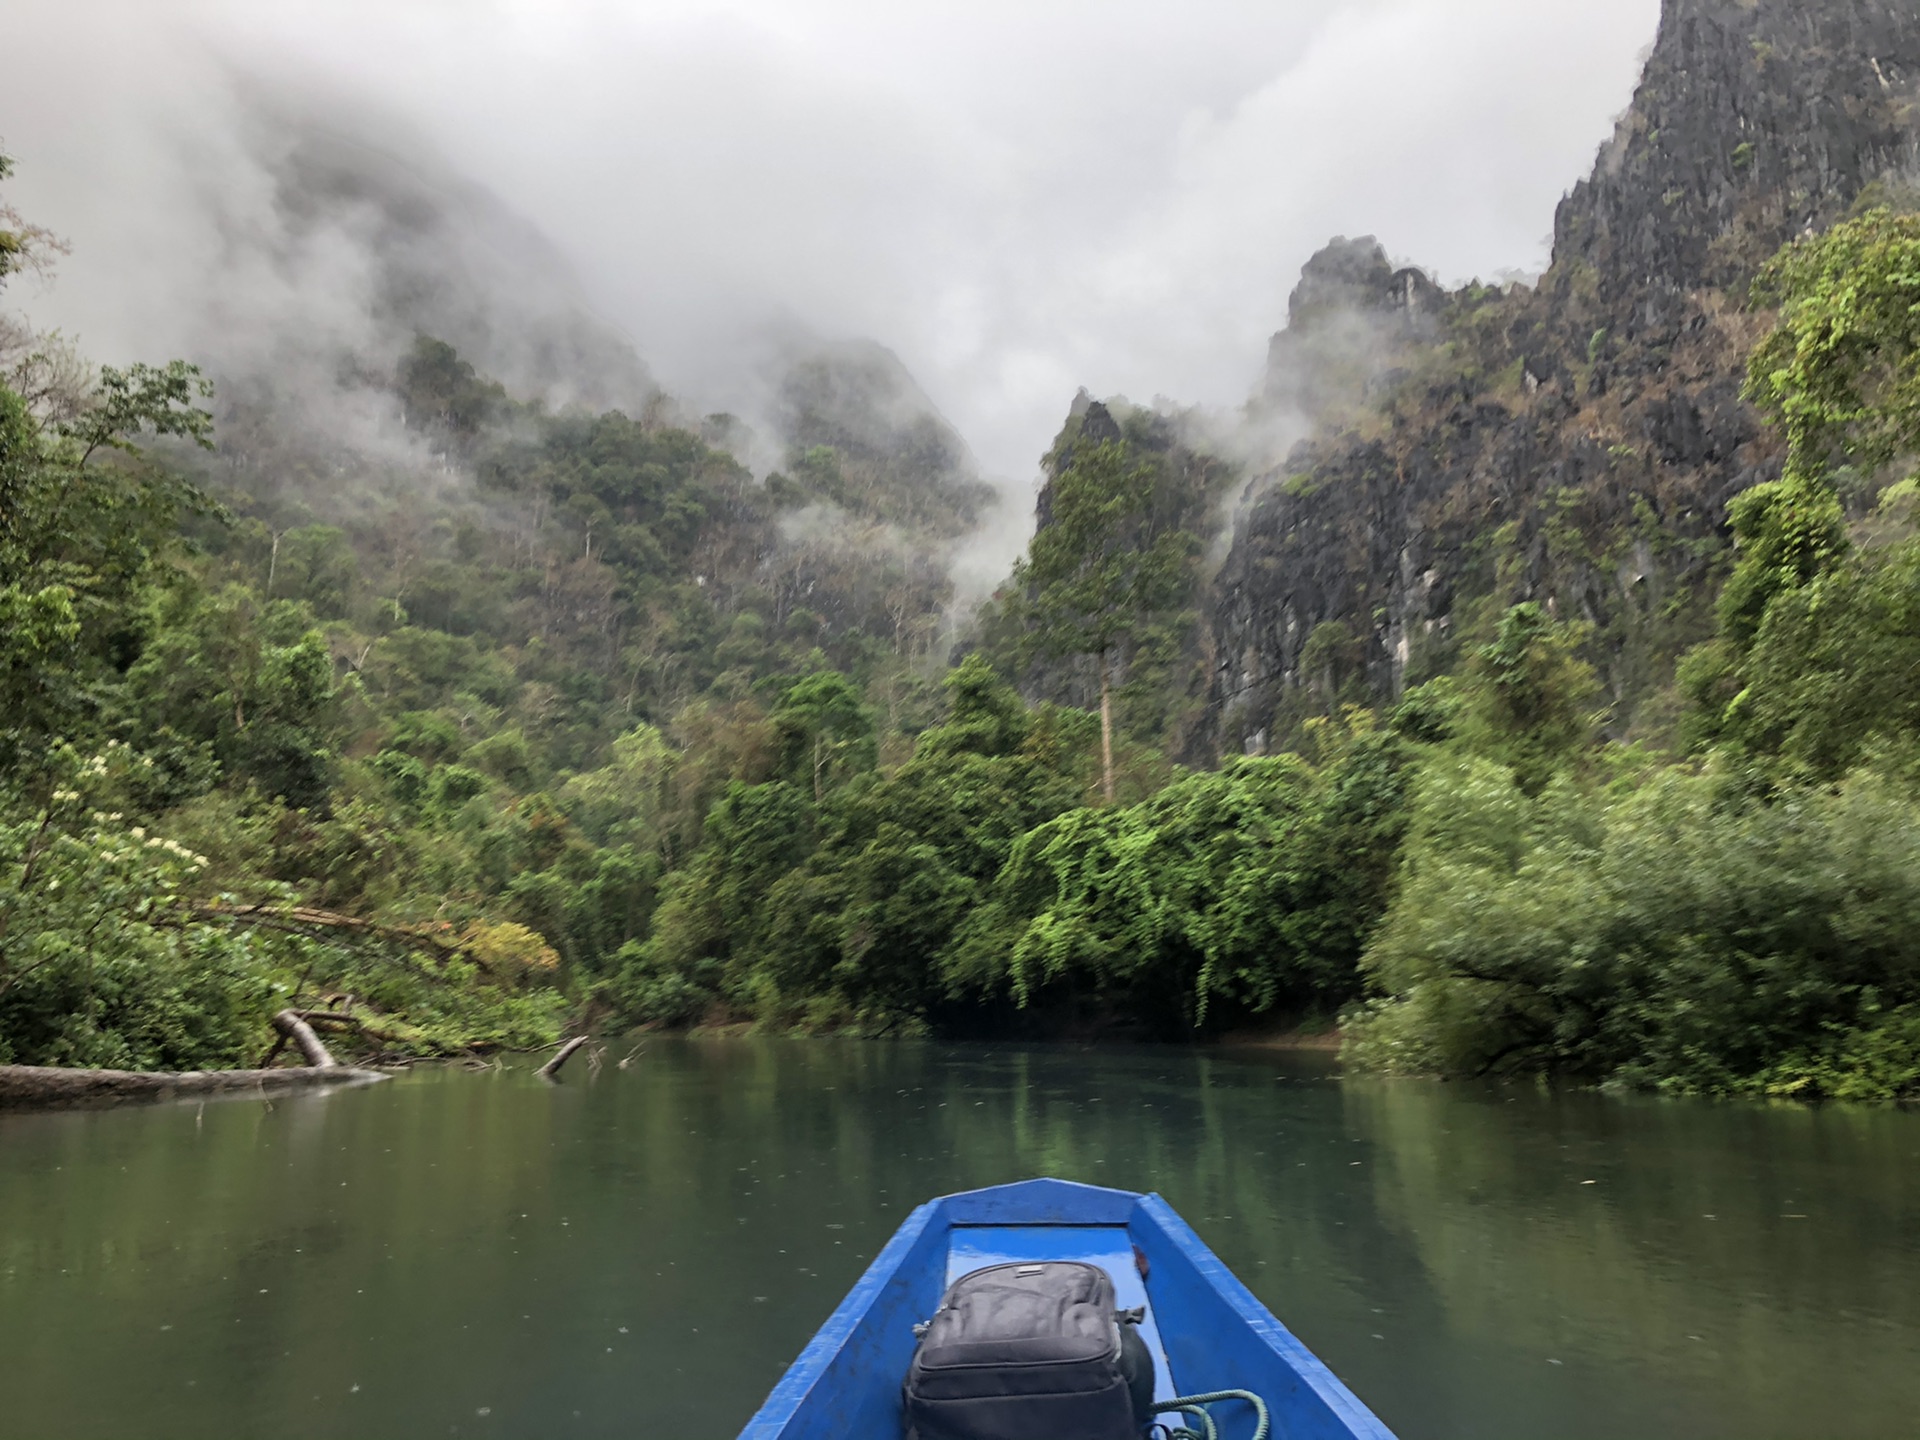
(642, 1251)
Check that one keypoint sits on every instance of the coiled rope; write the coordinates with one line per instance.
(1195, 1405)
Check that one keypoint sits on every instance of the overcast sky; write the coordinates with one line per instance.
(1021, 197)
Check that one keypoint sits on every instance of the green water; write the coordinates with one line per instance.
(638, 1253)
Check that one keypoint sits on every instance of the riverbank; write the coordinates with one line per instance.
(1308, 1040)
(1294, 1037)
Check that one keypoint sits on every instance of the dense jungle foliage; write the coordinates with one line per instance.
(1742, 921)
(596, 728)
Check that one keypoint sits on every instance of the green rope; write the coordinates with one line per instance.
(1194, 1405)
(1205, 1432)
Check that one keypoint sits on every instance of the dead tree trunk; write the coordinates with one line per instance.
(1106, 726)
(551, 1069)
(289, 1024)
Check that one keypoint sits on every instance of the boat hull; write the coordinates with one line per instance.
(1206, 1330)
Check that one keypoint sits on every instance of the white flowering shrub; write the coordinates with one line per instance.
(104, 960)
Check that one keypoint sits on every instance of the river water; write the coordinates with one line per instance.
(639, 1252)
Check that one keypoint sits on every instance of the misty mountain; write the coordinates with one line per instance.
(426, 340)
(899, 459)
(440, 255)
(337, 255)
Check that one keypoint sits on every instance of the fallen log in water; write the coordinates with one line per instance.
(399, 1038)
(35, 1085)
(289, 1024)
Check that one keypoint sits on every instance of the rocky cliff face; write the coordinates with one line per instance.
(1575, 443)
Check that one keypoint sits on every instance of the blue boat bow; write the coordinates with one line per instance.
(1206, 1330)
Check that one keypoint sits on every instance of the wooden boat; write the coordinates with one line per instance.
(1205, 1329)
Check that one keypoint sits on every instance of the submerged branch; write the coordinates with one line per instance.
(551, 1069)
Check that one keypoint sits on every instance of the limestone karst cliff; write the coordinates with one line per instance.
(1576, 442)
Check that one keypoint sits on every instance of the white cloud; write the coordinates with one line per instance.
(1019, 198)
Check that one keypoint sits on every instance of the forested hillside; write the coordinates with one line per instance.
(1525, 677)
(401, 693)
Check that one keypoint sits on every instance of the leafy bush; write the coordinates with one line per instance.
(1678, 932)
(1252, 887)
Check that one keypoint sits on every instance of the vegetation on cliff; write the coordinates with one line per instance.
(1742, 921)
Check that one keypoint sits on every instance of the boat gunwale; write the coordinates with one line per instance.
(810, 1366)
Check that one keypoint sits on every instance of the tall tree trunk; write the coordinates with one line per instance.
(1106, 723)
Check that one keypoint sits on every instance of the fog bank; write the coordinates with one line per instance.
(1018, 200)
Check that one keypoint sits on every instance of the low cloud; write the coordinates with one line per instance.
(1018, 199)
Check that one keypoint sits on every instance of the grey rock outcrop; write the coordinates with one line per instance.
(1584, 451)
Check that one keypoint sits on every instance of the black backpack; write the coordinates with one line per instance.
(1030, 1352)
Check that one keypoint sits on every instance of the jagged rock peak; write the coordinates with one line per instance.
(1755, 121)
(1097, 425)
(1349, 321)
(1355, 276)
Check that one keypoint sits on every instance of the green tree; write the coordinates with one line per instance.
(1101, 567)
(78, 541)
(833, 906)
(102, 960)
(628, 797)
(1840, 373)
(141, 400)
(22, 246)
(1811, 657)
(444, 392)
(1833, 665)
(1530, 696)
(255, 682)
(904, 861)
(713, 918)
(1675, 933)
(824, 730)
(1248, 888)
